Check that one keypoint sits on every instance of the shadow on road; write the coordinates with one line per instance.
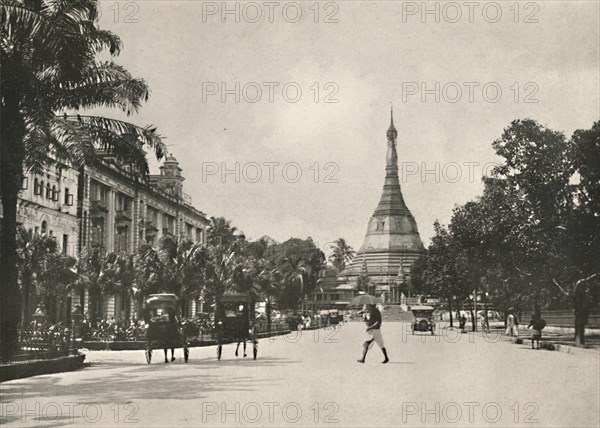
(104, 383)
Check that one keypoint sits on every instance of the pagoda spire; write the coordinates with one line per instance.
(392, 134)
(391, 202)
(392, 242)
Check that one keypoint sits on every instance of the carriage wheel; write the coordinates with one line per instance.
(219, 351)
(186, 353)
(148, 355)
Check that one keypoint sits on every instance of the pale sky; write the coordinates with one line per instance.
(371, 57)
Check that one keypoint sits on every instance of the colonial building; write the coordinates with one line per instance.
(392, 243)
(48, 205)
(120, 212)
(104, 205)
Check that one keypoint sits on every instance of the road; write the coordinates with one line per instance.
(315, 380)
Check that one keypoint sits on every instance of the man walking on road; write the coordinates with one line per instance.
(374, 334)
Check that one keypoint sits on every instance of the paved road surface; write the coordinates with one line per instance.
(452, 380)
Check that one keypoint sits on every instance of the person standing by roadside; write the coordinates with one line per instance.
(537, 324)
(374, 334)
(463, 322)
(511, 325)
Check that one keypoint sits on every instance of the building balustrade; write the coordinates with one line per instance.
(150, 227)
(123, 216)
(98, 206)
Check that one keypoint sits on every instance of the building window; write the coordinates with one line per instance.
(48, 191)
(44, 227)
(65, 245)
(68, 197)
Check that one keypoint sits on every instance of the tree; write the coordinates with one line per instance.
(33, 251)
(342, 254)
(220, 232)
(363, 280)
(55, 281)
(181, 261)
(298, 263)
(441, 270)
(581, 233)
(98, 274)
(537, 171)
(48, 51)
(221, 269)
(125, 275)
(583, 296)
(149, 270)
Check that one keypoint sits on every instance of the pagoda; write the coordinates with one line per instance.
(392, 243)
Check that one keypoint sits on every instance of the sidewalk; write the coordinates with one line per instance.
(551, 340)
(559, 342)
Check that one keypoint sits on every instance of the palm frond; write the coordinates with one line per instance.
(80, 137)
(59, 35)
(71, 139)
(146, 136)
(100, 85)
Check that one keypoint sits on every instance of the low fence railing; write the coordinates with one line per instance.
(192, 332)
(566, 318)
(42, 345)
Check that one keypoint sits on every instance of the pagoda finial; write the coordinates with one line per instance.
(392, 134)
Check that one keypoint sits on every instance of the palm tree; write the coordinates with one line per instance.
(98, 274)
(48, 51)
(33, 250)
(55, 281)
(149, 274)
(174, 266)
(342, 254)
(125, 273)
(264, 277)
(182, 260)
(221, 271)
(220, 232)
(298, 263)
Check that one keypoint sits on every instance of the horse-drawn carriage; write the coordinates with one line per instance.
(235, 322)
(164, 330)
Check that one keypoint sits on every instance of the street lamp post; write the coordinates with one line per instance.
(473, 320)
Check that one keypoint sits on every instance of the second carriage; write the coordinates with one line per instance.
(235, 322)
